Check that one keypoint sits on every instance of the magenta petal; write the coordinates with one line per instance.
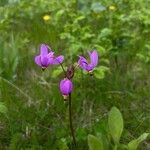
(66, 86)
(93, 58)
(43, 50)
(82, 59)
(38, 60)
(50, 54)
(83, 62)
(50, 57)
(89, 67)
(44, 61)
(58, 60)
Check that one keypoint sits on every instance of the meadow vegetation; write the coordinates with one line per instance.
(33, 115)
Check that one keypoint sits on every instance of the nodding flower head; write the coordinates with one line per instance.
(66, 87)
(83, 63)
(46, 58)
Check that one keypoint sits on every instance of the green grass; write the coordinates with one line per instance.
(36, 116)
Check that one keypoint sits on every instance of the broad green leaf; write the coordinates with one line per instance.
(94, 143)
(134, 143)
(104, 140)
(115, 123)
(100, 72)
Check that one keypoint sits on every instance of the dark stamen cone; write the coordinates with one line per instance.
(65, 97)
(91, 73)
(43, 68)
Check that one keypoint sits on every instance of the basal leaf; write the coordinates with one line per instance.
(95, 143)
(115, 123)
(134, 143)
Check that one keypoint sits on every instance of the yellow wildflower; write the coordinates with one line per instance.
(46, 17)
(111, 7)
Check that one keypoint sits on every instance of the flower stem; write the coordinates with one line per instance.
(63, 69)
(71, 125)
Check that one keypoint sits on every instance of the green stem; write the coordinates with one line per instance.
(71, 125)
(63, 69)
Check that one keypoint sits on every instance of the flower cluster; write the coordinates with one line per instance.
(47, 58)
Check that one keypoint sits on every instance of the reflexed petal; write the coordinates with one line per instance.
(66, 86)
(50, 61)
(89, 67)
(38, 60)
(58, 60)
(50, 54)
(43, 50)
(83, 59)
(83, 63)
(93, 58)
(50, 57)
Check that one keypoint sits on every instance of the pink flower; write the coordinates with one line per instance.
(46, 58)
(83, 63)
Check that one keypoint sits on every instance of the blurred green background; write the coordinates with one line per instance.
(32, 112)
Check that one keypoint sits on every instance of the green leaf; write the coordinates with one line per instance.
(59, 13)
(3, 108)
(115, 147)
(100, 49)
(79, 18)
(99, 72)
(105, 32)
(56, 72)
(95, 143)
(122, 147)
(115, 123)
(104, 140)
(134, 143)
(62, 144)
(97, 7)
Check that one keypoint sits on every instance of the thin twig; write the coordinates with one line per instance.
(62, 68)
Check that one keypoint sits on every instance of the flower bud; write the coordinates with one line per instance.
(66, 87)
(70, 72)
